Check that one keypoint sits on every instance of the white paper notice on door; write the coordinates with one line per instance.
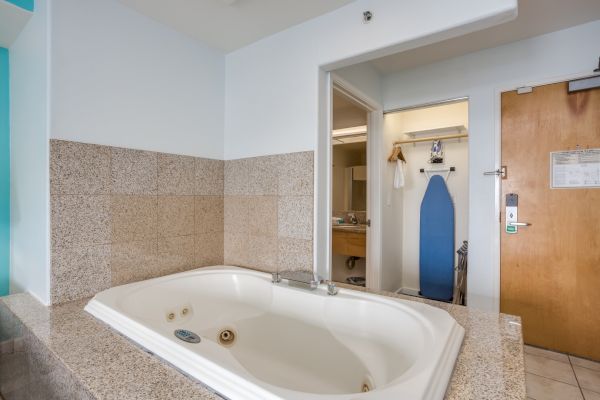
(575, 169)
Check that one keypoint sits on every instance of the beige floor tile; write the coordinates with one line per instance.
(540, 388)
(588, 378)
(589, 395)
(536, 351)
(582, 362)
(549, 368)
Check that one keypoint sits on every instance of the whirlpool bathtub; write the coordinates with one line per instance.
(250, 339)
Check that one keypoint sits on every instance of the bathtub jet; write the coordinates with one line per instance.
(263, 341)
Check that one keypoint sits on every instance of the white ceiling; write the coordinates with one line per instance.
(231, 24)
(536, 17)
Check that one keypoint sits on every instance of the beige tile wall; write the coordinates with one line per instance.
(121, 215)
(268, 213)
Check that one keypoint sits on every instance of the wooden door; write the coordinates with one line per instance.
(550, 271)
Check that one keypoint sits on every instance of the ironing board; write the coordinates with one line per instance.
(436, 244)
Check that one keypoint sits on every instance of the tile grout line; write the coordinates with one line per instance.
(572, 369)
(552, 379)
(576, 378)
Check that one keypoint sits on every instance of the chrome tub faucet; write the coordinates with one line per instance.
(303, 279)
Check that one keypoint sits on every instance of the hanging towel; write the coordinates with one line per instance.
(399, 174)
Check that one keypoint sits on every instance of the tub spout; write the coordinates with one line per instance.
(332, 290)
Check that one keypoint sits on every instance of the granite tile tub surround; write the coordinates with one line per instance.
(268, 212)
(106, 365)
(121, 215)
(28, 369)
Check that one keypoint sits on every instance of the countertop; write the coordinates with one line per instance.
(350, 228)
(110, 366)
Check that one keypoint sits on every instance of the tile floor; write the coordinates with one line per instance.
(557, 376)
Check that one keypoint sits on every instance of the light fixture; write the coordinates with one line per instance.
(347, 132)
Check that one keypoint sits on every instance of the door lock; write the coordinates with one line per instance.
(512, 214)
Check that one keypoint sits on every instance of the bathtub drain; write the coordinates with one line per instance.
(226, 337)
(187, 336)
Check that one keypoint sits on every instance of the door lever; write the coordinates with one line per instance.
(519, 224)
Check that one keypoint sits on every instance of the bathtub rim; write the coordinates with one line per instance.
(231, 385)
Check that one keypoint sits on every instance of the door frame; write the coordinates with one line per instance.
(514, 85)
(374, 168)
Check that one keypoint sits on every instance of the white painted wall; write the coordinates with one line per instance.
(272, 86)
(29, 126)
(122, 79)
(363, 77)
(480, 76)
(401, 211)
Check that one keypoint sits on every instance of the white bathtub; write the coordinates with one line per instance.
(290, 343)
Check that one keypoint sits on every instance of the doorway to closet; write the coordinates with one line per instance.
(426, 201)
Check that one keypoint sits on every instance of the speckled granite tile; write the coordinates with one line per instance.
(262, 252)
(133, 261)
(175, 254)
(236, 176)
(235, 218)
(79, 272)
(263, 177)
(175, 216)
(262, 215)
(295, 254)
(133, 171)
(176, 174)
(209, 214)
(296, 174)
(80, 220)
(34, 371)
(235, 248)
(489, 365)
(134, 218)
(209, 177)
(79, 168)
(208, 249)
(72, 343)
(295, 217)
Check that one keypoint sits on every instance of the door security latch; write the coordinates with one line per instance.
(502, 172)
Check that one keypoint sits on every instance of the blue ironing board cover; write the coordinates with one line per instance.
(436, 244)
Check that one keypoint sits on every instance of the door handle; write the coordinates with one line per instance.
(519, 224)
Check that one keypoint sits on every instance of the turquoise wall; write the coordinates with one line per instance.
(26, 4)
(4, 174)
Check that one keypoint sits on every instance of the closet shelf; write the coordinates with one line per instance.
(431, 138)
(444, 130)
